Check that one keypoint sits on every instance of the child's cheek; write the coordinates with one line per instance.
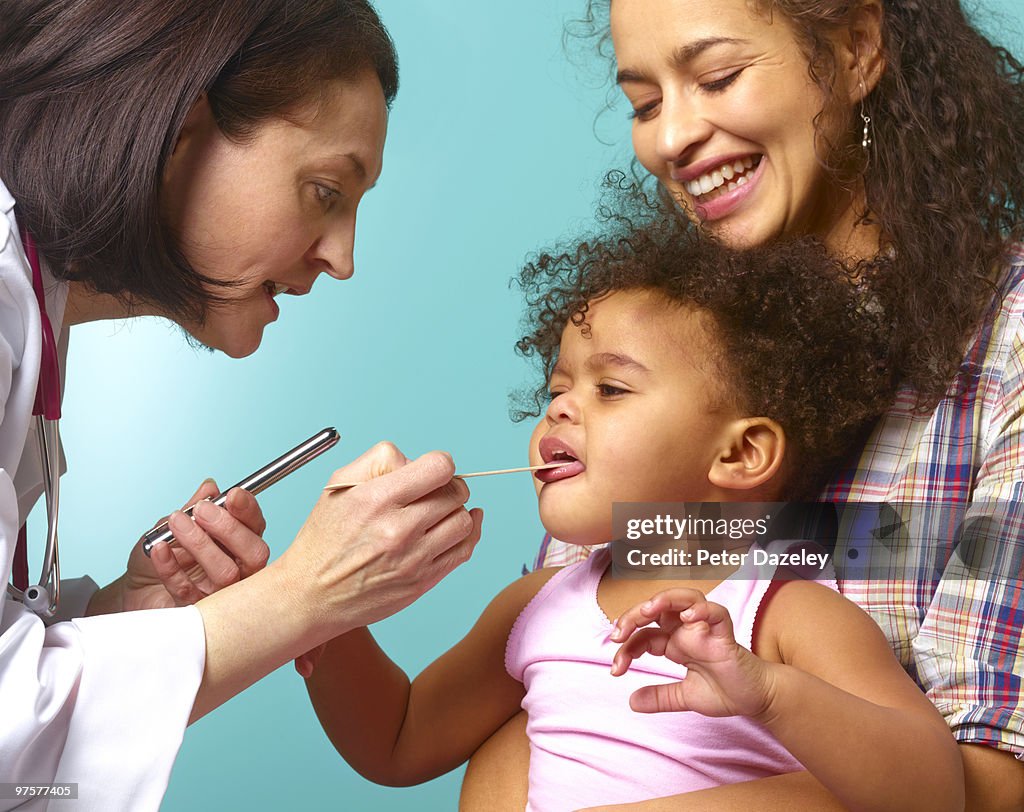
(534, 452)
(538, 431)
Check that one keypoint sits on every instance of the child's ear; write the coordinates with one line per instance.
(751, 456)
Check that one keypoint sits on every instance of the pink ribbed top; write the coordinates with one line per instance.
(587, 748)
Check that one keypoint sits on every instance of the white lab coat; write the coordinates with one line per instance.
(101, 701)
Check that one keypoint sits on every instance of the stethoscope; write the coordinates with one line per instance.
(42, 598)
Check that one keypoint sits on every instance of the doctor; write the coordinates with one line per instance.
(193, 161)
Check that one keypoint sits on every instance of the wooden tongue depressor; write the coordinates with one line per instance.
(343, 485)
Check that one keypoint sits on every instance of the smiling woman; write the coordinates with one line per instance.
(710, 123)
(893, 131)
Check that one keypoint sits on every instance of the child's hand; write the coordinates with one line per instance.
(722, 679)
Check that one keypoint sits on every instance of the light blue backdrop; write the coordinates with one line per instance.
(495, 148)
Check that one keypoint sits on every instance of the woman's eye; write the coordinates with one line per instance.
(325, 194)
(644, 111)
(607, 390)
(718, 85)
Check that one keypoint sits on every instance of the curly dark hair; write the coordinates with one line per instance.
(945, 178)
(789, 327)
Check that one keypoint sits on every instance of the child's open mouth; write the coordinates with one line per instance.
(553, 450)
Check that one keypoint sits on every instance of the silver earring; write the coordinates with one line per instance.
(865, 141)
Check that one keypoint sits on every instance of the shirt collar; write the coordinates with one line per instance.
(6, 201)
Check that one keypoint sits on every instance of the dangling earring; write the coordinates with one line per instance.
(865, 141)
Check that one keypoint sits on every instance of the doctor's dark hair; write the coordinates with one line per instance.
(93, 96)
(788, 335)
(945, 174)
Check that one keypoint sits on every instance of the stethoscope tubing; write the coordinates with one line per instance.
(48, 433)
(44, 596)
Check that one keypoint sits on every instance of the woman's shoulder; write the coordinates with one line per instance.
(996, 349)
(1010, 281)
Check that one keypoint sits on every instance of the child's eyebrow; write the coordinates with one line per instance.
(613, 359)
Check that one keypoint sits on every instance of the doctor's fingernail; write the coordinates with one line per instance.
(205, 510)
(179, 522)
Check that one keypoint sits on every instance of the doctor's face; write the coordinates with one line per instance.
(271, 213)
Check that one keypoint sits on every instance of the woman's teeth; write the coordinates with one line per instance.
(726, 178)
(274, 288)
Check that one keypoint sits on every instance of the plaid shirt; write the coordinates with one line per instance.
(957, 634)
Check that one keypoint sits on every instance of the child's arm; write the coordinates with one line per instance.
(826, 686)
(396, 733)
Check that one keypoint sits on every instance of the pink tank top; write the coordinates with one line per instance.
(587, 748)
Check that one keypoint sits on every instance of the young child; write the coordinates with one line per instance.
(677, 372)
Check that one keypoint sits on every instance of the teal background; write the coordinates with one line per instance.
(496, 146)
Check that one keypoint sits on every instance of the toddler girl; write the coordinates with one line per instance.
(676, 372)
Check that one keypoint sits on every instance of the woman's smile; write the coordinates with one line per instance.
(717, 192)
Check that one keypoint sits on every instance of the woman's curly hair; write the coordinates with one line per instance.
(790, 336)
(945, 177)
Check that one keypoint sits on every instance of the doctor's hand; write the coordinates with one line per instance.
(216, 549)
(369, 551)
